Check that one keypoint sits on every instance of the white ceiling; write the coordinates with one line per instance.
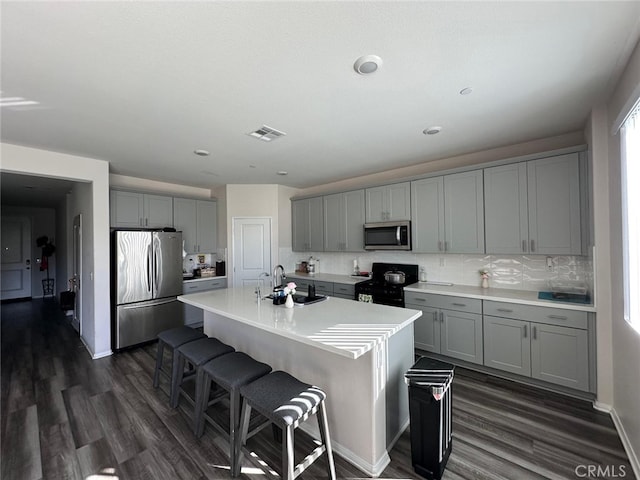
(144, 84)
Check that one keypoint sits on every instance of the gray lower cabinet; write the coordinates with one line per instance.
(193, 316)
(344, 290)
(552, 345)
(454, 331)
(340, 290)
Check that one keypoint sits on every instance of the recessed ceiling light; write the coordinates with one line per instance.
(201, 153)
(282, 172)
(252, 166)
(367, 64)
(466, 91)
(432, 130)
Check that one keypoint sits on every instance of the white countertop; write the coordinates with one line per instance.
(200, 279)
(524, 297)
(340, 326)
(328, 277)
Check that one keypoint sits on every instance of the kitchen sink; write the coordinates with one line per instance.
(302, 299)
(305, 300)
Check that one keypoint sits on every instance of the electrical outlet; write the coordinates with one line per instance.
(549, 264)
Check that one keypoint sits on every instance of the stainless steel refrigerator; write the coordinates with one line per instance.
(147, 277)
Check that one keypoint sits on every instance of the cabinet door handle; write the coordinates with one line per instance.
(141, 222)
(446, 246)
(418, 299)
(441, 317)
(505, 310)
(459, 304)
(557, 317)
(435, 317)
(525, 331)
(192, 287)
(534, 332)
(533, 246)
(524, 246)
(439, 245)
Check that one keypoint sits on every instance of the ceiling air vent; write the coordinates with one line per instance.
(266, 134)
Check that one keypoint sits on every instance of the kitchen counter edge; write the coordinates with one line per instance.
(523, 297)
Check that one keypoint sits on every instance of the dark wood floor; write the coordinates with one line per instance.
(65, 416)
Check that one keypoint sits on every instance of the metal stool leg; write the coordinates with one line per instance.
(323, 426)
(288, 460)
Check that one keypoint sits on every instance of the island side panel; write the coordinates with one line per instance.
(400, 357)
(356, 401)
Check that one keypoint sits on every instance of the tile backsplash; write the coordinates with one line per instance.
(519, 272)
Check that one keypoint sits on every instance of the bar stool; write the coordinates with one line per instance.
(229, 372)
(172, 339)
(287, 402)
(196, 354)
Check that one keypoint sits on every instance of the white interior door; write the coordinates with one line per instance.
(77, 273)
(251, 250)
(16, 257)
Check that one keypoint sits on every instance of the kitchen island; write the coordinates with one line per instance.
(356, 352)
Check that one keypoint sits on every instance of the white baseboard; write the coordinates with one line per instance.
(95, 356)
(626, 443)
(633, 458)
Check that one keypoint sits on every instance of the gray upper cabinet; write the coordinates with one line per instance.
(343, 222)
(388, 202)
(447, 213)
(307, 225)
(534, 207)
(197, 219)
(554, 205)
(506, 209)
(140, 210)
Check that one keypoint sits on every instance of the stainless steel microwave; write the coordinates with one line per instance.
(387, 235)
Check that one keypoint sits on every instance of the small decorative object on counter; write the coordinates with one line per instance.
(423, 275)
(484, 275)
(289, 290)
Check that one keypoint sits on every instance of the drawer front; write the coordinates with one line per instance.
(344, 289)
(204, 285)
(301, 284)
(547, 315)
(215, 284)
(449, 302)
(325, 288)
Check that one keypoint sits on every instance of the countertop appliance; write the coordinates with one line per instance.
(387, 235)
(378, 290)
(146, 279)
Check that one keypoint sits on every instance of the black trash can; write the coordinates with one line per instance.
(429, 383)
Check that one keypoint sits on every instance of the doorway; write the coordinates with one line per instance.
(251, 249)
(16, 258)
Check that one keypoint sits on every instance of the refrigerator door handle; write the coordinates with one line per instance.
(149, 268)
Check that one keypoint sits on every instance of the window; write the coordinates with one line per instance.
(631, 216)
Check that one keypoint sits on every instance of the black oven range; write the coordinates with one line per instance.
(386, 285)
